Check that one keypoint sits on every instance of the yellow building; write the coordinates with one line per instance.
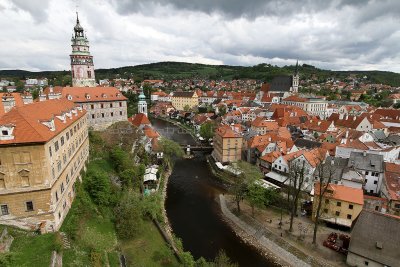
(43, 148)
(180, 100)
(340, 204)
(227, 145)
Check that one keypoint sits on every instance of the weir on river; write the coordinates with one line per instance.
(193, 210)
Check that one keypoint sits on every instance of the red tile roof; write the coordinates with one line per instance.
(139, 119)
(28, 120)
(343, 193)
(225, 131)
(93, 94)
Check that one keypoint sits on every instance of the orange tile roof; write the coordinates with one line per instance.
(225, 131)
(150, 132)
(28, 120)
(139, 119)
(97, 94)
(343, 193)
(271, 157)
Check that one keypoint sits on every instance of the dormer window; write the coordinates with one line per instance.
(49, 124)
(87, 96)
(104, 95)
(6, 132)
(69, 97)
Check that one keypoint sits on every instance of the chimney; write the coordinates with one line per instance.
(347, 133)
(347, 117)
(354, 118)
(364, 153)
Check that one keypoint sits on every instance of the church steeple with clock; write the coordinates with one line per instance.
(82, 68)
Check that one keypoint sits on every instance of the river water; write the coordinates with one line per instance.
(193, 211)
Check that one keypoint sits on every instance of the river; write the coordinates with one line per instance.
(193, 211)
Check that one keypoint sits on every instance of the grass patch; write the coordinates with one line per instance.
(31, 250)
(148, 248)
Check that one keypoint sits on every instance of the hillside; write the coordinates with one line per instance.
(179, 70)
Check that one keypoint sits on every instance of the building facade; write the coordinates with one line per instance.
(182, 100)
(313, 106)
(43, 148)
(227, 145)
(82, 67)
(104, 105)
(341, 205)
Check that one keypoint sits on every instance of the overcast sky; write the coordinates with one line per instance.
(340, 35)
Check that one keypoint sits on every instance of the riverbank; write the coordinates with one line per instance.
(262, 235)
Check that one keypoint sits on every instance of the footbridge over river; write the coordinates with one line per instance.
(190, 148)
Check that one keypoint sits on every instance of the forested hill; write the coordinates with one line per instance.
(179, 70)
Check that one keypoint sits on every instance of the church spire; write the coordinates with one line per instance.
(297, 68)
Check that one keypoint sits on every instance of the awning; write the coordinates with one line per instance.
(276, 176)
(339, 221)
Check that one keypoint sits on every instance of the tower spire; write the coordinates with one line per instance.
(297, 68)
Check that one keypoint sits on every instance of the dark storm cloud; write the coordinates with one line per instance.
(230, 8)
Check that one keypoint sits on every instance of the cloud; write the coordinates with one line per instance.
(36, 8)
(335, 35)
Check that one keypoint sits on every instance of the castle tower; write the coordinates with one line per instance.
(82, 68)
(142, 104)
(296, 79)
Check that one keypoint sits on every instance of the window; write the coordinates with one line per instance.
(59, 166)
(102, 115)
(120, 104)
(371, 191)
(56, 196)
(64, 205)
(112, 114)
(111, 105)
(59, 215)
(4, 210)
(337, 213)
(4, 132)
(325, 210)
(120, 113)
(89, 74)
(71, 132)
(339, 204)
(366, 263)
(377, 208)
(376, 174)
(350, 206)
(349, 216)
(50, 152)
(67, 178)
(67, 136)
(92, 116)
(92, 106)
(62, 141)
(102, 105)
(62, 187)
(56, 147)
(366, 173)
(375, 182)
(326, 201)
(29, 206)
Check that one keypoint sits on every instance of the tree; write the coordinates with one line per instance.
(170, 148)
(98, 186)
(256, 196)
(222, 260)
(324, 174)
(248, 175)
(128, 215)
(186, 108)
(207, 130)
(297, 173)
(222, 111)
